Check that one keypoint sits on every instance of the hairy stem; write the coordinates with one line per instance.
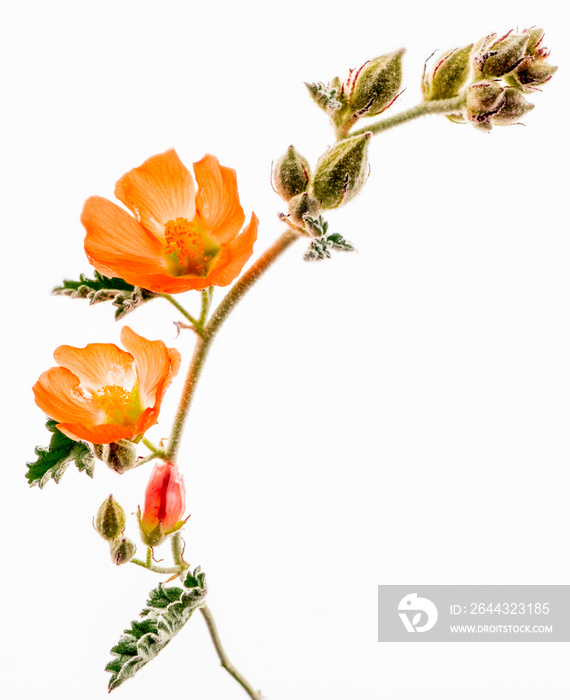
(210, 330)
(453, 104)
(226, 663)
(195, 322)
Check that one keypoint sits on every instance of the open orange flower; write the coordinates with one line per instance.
(103, 394)
(179, 238)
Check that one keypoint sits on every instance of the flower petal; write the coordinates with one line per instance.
(155, 364)
(98, 365)
(157, 191)
(226, 268)
(58, 394)
(102, 434)
(116, 244)
(217, 201)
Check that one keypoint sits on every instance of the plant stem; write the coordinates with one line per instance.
(453, 104)
(210, 330)
(155, 568)
(182, 310)
(226, 663)
(155, 450)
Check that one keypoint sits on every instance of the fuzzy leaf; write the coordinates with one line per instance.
(124, 296)
(321, 246)
(168, 610)
(52, 461)
(325, 96)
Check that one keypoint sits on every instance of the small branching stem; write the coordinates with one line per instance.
(225, 662)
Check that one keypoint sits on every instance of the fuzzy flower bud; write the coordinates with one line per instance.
(497, 58)
(164, 505)
(110, 519)
(534, 70)
(449, 76)
(514, 107)
(484, 100)
(342, 171)
(119, 456)
(302, 205)
(373, 87)
(122, 551)
(291, 174)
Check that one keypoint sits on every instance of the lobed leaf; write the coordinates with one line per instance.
(168, 610)
(125, 297)
(52, 461)
(321, 246)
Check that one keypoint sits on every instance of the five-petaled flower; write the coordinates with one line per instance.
(164, 504)
(103, 394)
(180, 238)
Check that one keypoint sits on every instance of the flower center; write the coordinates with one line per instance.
(188, 250)
(120, 406)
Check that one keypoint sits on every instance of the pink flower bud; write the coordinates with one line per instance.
(164, 504)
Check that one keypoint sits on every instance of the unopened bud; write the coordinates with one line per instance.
(110, 519)
(498, 58)
(122, 551)
(165, 501)
(514, 107)
(531, 73)
(119, 456)
(291, 174)
(375, 85)
(302, 205)
(484, 100)
(449, 76)
(342, 171)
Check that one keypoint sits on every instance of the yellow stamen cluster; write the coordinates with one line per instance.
(185, 244)
(116, 402)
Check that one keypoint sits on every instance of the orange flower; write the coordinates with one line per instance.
(179, 238)
(103, 394)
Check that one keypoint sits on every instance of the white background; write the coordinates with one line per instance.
(398, 415)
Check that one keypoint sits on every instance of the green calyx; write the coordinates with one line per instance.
(122, 551)
(449, 76)
(119, 456)
(342, 171)
(291, 174)
(110, 519)
(375, 86)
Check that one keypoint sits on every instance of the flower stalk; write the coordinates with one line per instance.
(204, 341)
(449, 106)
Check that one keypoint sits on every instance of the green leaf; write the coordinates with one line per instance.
(325, 96)
(52, 461)
(123, 295)
(321, 246)
(168, 610)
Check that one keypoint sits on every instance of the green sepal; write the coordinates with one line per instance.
(52, 461)
(124, 296)
(168, 610)
(321, 246)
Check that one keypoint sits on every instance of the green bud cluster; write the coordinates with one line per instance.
(339, 176)
(110, 524)
(493, 75)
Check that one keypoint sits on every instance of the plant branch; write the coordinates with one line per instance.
(449, 106)
(226, 663)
